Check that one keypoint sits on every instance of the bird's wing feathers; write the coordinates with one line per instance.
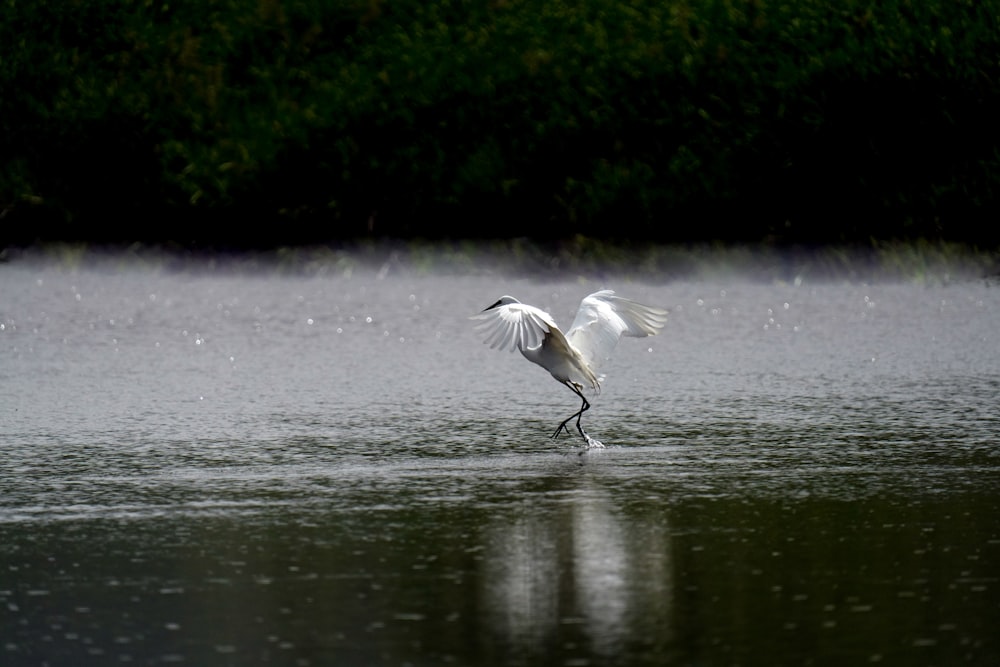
(604, 318)
(514, 326)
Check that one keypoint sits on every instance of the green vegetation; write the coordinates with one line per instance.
(677, 120)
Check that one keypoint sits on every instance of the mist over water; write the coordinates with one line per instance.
(243, 463)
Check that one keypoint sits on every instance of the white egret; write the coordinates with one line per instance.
(575, 357)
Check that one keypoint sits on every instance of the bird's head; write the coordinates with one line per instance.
(502, 301)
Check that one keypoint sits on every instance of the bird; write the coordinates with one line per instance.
(574, 358)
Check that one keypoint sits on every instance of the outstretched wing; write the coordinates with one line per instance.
(514, 326)
(604, 318)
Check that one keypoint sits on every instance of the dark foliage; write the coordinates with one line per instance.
(242, 122)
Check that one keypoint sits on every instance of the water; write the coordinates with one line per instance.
(229, 467)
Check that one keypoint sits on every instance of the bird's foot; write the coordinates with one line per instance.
(562, 427)
(592, 443)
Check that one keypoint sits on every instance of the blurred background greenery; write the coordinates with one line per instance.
(308, 121)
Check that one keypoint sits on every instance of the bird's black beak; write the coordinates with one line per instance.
(492, 307)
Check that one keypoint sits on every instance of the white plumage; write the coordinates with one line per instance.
(574, 358)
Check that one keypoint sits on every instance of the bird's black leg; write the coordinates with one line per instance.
(579, 428)
(578, 414)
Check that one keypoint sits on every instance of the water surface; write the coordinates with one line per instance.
(209, 466)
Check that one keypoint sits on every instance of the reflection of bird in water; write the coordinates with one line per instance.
(572, 358)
